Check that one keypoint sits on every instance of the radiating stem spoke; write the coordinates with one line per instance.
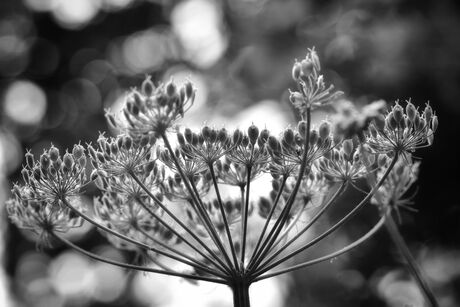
(347, 248)
(137, 267)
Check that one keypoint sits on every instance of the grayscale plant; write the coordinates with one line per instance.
(167, 202)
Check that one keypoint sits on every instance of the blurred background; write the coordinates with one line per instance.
(63, 62)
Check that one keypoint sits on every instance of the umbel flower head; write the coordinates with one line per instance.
(402, 130)
(54, 177)
(153, 110)
(287, 152)
(393, 192)
(166, 202)
(312, 91)
(32, 212)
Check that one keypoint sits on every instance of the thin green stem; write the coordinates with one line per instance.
(194, 198)
(309, 224)
(351, 214)
(183, 255)
(272, 236)
(187, 229)
(255, 253)
(170, 228)
(245, 215)
(224, 216)
(412, 265)
(127, 239)
(347, 248)
(201, 212)
(136, 267)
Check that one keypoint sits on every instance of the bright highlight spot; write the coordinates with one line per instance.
(198, 24)
(25, 103)
(71, 275)
(75, 14)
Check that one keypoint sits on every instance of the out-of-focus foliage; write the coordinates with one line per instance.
(62, 62)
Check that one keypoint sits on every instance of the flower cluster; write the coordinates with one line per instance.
(392, 193)
(38, 205)
(288, 151)
(153, 110)
(168, 202)
(312, 92)
(402, 131)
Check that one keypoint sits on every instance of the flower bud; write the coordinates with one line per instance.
(189, 89)
(147, 87)
(417, 121)
(313, 137)
(188, 134)
(288, 137)
(222, 136)
(324, 130)
(434, 123)
(273, 143)
(68, 160)
(78, 151)
(428, 112)
(306, 67)
(237, 137)
(213, 136)
(180, 139)
(398, 113)
(296, 71)
(53, 153)
(171, 88)
(197, 139)
(206, 132)
(30, 159)
(347, 146)
(302, 128)
(253, 133)
(263, 137)
(127, 142)
(145, 140)
(410, 111)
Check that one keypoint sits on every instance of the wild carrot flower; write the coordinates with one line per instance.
(175, 190)
(156, 199)
(393, 192)
(312, 92)
(32, 212)
(236, 174)
(122, 154)
(288, 152)
(153, 110)
(54, 177)
(344, 163)
(207, 146)
(403, 131)
(249, 149)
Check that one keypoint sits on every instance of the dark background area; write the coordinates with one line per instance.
(60, 67)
